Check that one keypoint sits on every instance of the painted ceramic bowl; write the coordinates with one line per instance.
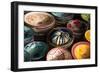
(36, 49)
(87, 35)
(28, 35)
(58, 54)
(81, 50)
(63, 17)
(60, 36)
(85, 17)
(39, 21)
(78, 27)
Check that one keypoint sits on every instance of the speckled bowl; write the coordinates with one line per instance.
(39, 21)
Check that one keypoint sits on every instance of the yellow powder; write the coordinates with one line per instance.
(82, 51)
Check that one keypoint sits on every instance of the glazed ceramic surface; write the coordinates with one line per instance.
(36, 49)
(85, 17)
(62, 17)
(61, 36)
(28, 35)
(58, 54)
(87, 35)
(78, 27)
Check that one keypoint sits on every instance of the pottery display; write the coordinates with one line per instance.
(56, 36)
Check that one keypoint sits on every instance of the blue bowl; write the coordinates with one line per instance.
(36, 49)
(28, 35)
(62, 17)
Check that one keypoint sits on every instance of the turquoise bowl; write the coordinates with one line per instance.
(36, 50)
(28, 35)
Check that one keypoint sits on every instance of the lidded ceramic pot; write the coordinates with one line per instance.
(60, 36)
(39, 21)
(58, 53)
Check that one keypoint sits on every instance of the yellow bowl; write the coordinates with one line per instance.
(81, 50)
(87, 35)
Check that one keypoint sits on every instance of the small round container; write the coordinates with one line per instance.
(62, 18)
(87, 35)
(85, 17)
(39, 21)
(36, 50)
(78, 27)
(81, 50)
(58, 53)
(28, 35)
(60, 37)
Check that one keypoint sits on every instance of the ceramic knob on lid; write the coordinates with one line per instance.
(81, 50)
(36, 50)
(58, 53)
(60, 36)
(28, 35)
(62, 17)
(40, 21)
(78, 27)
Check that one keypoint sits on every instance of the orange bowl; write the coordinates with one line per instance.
(81, 50)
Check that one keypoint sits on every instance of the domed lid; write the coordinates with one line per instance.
(60, 36)
(39, 19)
